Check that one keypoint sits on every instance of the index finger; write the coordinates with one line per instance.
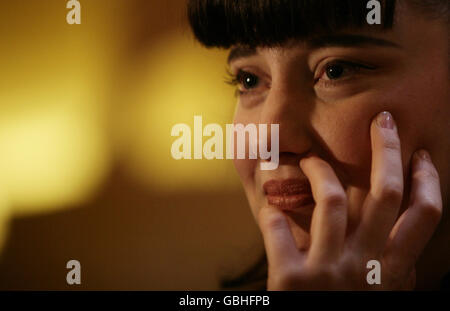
(279, 242)
(383, 202)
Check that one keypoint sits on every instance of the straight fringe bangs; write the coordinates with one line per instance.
(224, 23)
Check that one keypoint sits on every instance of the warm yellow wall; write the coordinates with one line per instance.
(80, 103)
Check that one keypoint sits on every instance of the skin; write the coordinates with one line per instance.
(379, 192)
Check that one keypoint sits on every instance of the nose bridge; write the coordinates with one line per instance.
(285, 105)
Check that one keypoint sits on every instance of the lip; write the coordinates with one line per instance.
(289, 194)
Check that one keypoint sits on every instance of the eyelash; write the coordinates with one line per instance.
(236, 79)
(354, 69)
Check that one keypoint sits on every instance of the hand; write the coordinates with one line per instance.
(337, 260)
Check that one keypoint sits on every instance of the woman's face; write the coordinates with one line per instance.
(325, 92)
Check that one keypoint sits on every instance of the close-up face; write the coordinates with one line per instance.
(232, 145)
(324, 93)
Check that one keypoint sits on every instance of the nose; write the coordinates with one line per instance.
(288, 106)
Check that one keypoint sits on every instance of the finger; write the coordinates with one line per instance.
(416, 225)
(329, 220)
(279, 242)
(383, 202)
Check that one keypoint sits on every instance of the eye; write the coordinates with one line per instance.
(245, 81)
(335, 71)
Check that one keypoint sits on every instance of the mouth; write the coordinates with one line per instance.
(289, 194)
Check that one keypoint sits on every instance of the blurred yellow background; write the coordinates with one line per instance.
(85, 166)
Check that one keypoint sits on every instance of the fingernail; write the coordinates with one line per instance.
(424, 155)
(385, 120)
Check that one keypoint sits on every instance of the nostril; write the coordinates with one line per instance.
(286, 155)
(289, 158)
(290, 154)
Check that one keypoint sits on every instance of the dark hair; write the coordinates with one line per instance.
(224, 23)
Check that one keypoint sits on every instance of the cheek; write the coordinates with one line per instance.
(420, 110)
(423, 109)
(343, 133)
(249, 180)
(245, 167)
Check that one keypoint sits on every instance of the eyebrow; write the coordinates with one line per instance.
(240, 52)
(333, 40)
(347, 40)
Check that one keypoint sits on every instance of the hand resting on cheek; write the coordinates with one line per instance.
(336, 260)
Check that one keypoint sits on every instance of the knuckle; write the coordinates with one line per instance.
(392, 191)
(334, 199)
(426, 174)
(431, 211)
(273, 221)
(391, 143)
